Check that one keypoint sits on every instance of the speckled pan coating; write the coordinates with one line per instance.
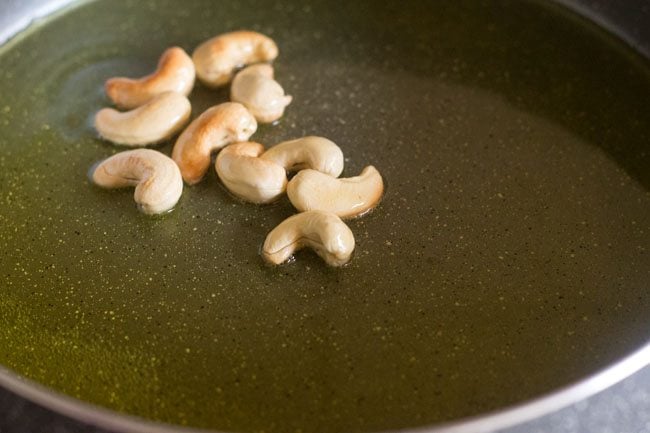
(507, 258)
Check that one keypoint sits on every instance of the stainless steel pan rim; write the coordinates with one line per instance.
(20, 14)
(491, 422)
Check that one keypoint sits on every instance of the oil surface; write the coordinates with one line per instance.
(508, 257)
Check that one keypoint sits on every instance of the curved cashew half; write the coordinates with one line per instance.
(216, 59)
(255, 87)
(153, 122)
(249, 177)
(175, 73)
(217, 127)
(347, 198)
(322, 231)
(317, 153)
(157, 180)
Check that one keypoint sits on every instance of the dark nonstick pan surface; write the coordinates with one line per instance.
(507, 259)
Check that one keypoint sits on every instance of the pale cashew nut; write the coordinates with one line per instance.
(175, 73)
(157, 179)
(317, 153)
(219, 126)
(153, 122)
(347, 198)
(324, 232)
(255, 87)
(216, 59)
(249, 177)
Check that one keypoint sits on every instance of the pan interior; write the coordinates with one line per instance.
(508, 257)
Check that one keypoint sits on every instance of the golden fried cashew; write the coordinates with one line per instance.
(317, 153)
(249, 177)
(156, 177)
(219, 126)
(175, 73)
(153, 122)
(216, 59)
(347, 198)
(255, 87)
(324, 232)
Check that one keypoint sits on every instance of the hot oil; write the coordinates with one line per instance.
(507, 258)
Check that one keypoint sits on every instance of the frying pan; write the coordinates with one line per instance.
(503, 276)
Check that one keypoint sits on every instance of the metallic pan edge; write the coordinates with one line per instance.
(627, 19)
(492, 422)
(18, 15)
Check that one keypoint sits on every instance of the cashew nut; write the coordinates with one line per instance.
(260, 93)
(249, 177)
(153, 122)
(308, 152)
(322, 231)
(216, 59)
(157, 179)
(175, 73)
(219, 126)
(347, 198)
